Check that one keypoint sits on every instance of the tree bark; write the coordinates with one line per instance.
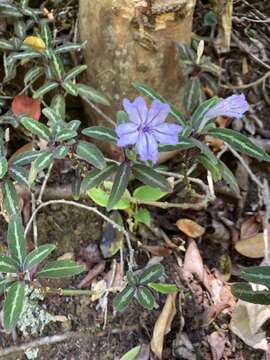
(134, 41)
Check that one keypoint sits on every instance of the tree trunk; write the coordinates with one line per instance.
(134, 40)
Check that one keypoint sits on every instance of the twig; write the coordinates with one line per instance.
(247, 168)
(247, 50)
(100, 112)
(246, 86)
(44, 184)
(89, 208)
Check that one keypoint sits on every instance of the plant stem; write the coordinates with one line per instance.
(44, 184)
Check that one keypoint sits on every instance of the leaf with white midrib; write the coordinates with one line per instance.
(150, 177)
(10, 198)
(91, 154)
(119, 185)
(101, 133)
(16, 239)
(7, 264)
(38, 255)
(60, 268)
(13, 305)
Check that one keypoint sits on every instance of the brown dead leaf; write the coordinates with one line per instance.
(92, 273)
(253, 247)
(246, 322)
(157, 250)
(250, 227)
(216, 341)
(163, 325)
(190, 228)
(193, 264)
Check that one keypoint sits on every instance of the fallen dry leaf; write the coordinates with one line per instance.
(216, 341)
(190, 228)
(92, 274)
(193, 264)
(23, 104)
(156, 250)
(252, 247)
(246, 322)
(250, 227)
(163, 325)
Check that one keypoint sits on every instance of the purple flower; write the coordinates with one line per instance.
(234, 106)
(146, 128)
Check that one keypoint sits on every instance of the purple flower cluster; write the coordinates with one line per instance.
(146, 128)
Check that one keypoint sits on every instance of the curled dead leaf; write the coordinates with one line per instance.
(190, 228)
(23, 104)
(163, 325)
(252, 247)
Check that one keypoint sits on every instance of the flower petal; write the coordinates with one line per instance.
(137, 111)
(157, 113)
(233, 106)
(147, 147)
(167, 133)
(127, 133)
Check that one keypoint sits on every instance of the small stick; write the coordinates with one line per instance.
(35, 231)
(100, 112)
(44, 184)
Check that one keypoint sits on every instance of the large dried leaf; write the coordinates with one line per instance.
(253, 247)
(163, 325)
(190, 228)
(246, 322)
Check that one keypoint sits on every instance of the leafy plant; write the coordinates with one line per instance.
(141, 288)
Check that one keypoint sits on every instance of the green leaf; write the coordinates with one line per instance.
(20, 175)
(131, 278)
(38, 255)
(244, 292)
(205, 150)
(197, 117)
(143, 216)
(150, 177)
(16, 239)
(5, 44)
(155, 96)
(132, 354)
(239, 142)
(65, 134)
(192, 95)
(3, 285)
(20, 29)
(122, 299)
(44, 89)
(87, 92)
(7, 264)
(163, 288)
(46, 34)
(208, 165)
(257, 275)
(228, 176)
(75, 72)
(96, 177)
(61, 152)
(70, 88)
(121, 117)
(101, 197)
(3, 166)
(57, 65)
(13, 305)
(33, 74)
(24, 158)
(101, 133)
(44, 160)
(91, 154)
(183, 144)
(60, 269)
(74, 125)
(51, 115)
(145, 298)
(151, 274)
(210, 19)
(36, 128)
(10, 198)
(76, 187)
(119, 185)
(148, 193)
(67, 47)
(187, 54)
(58, 104)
